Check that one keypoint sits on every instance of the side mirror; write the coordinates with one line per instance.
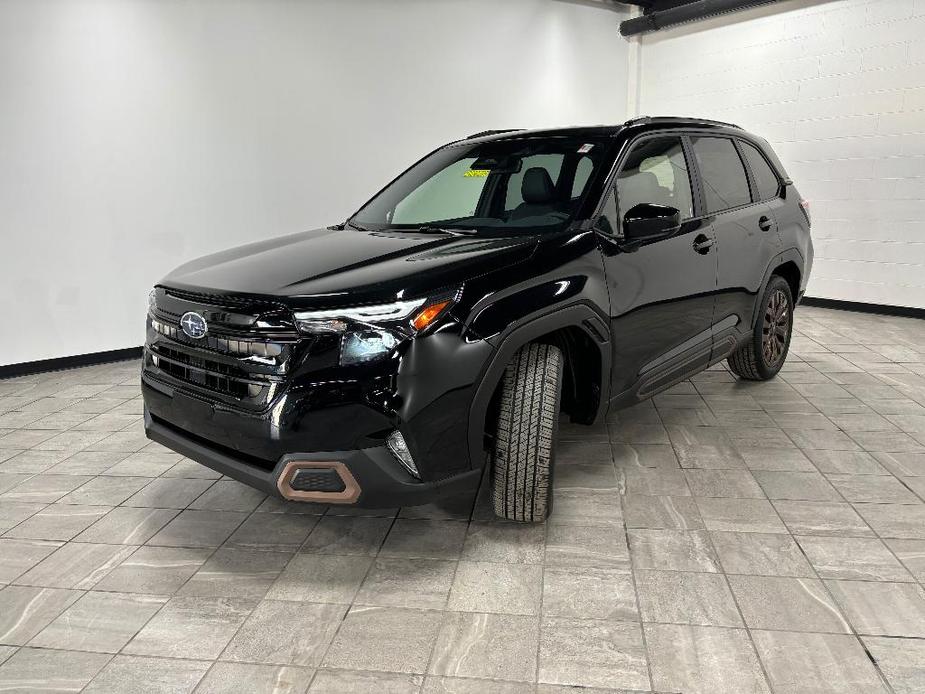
(648, 222)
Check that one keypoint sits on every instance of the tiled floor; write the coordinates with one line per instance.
(727, 538)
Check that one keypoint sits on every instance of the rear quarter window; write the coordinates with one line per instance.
(767, 186)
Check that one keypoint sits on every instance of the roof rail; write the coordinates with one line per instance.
(486, 133)
(639, 120)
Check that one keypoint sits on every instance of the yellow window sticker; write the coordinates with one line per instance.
(476, 173)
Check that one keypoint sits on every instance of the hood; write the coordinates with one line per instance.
(325, 266)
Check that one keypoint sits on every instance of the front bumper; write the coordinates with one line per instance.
(380, 480)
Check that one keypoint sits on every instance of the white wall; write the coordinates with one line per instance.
(135, 135)
(839, 90)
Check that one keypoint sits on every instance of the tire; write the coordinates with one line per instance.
(528, 422)
(765, 353)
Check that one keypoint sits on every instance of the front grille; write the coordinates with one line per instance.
(242, 360)
(207, 373)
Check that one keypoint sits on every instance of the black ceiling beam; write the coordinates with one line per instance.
(655, 19)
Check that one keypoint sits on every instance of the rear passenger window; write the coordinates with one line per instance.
(766, 184)
(724, 182)
(655, 172)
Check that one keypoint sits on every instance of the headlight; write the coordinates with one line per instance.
(372, 332)
(152, 300)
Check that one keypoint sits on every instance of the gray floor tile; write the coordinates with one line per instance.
(822, 518)
(353, 682)
(854, 558)
(882, 609)
(425, 539)
(348, 535)
(384, 638)
(672, 550)
(686, 598)
(421, 583)
(104, 491)
(644, 455)
(169, 493)
(586, 507)
(26, 610)
(231, 678)
(198, 529)
(154, 570)
(236, 573)
(788, 604)
(490, 646)
(703, 660)
(598, 547)
(191, 627)
(31, 669)
(873, 489)
(816, 663)
(592, 653)
(739, 484)
(656, 482)
(127, 526)
(661, 512)
(496, 587)
(58, 522)
(912, 554)
(102, 622)
(76, 565)
(127, 674)
(760, 554)
(783, 459)
(589, 593)
(44, 488)
(273, 531)
(321, 578)
(285, 633)
(229, 495)
(902, 662)
(846, 463)
(901, 464)
(18, 556)
(895, 520)
(738, 515)
(796, 486)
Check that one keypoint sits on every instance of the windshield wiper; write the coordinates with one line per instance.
(426, 229)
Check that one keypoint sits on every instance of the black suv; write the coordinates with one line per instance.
(502, 278)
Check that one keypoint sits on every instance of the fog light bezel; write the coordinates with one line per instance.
(398, 447)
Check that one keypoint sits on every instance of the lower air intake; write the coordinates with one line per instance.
(317, 480)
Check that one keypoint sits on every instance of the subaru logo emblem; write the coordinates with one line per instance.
(193, 325)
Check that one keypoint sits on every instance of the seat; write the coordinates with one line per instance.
(642, 186)
(538, 193)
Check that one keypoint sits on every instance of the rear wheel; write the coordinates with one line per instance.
(528, 421)
(764, 355)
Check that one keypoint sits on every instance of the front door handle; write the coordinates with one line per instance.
(703, 244)
(765, 224)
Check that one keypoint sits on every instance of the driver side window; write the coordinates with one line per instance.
(656, 172)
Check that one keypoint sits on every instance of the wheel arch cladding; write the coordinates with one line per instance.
(790, 272)
(585, 341)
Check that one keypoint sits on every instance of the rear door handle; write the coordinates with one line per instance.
(765, 224)
(703, 244)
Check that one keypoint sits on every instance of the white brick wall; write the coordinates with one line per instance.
(839, 90)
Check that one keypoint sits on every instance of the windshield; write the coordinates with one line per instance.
(534, 184)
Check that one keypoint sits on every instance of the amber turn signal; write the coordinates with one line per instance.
(428, 315)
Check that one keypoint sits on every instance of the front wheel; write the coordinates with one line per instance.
(528, 421)
(764, 354)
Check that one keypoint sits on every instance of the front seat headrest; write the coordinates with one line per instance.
(537, 187)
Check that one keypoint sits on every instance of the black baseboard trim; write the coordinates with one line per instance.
(27, 368)
(904, 311)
